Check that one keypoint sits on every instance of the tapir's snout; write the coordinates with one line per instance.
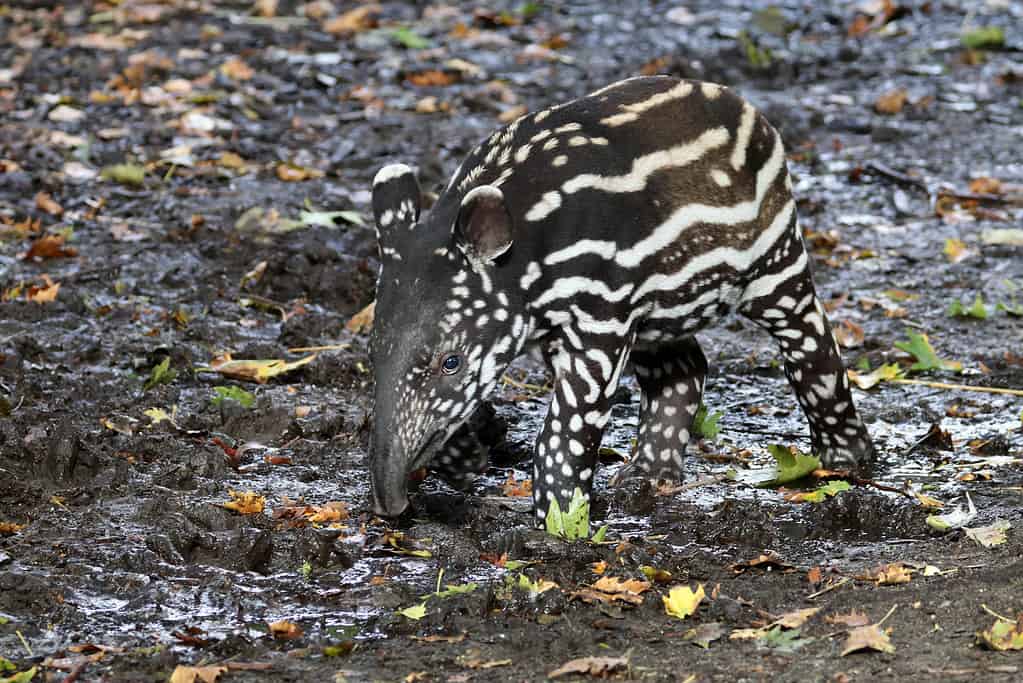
(388, 478)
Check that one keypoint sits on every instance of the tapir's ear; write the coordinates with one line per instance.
(484, 227)
(396, 198)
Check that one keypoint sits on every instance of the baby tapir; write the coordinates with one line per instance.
(607, 229)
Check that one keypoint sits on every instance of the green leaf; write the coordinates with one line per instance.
(1014, 308)
(23, 677)
(919, 346)
(415, 612)
(832, 488)
(599, 536)
(339, 650)
(6, 664)
(983, 38)
(790, 464)
(783, 640)
(450, 590)
(237, 394)
(307, 570)
(956, 519)
(529, 10)
(977, 310)
(409, 38)
(512, 565)
(161, 374)
(125, 174)
(706, 424)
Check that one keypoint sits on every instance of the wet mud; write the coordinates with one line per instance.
(122, 562)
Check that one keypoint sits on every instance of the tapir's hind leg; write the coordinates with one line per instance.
(671, 379)
(782, 300)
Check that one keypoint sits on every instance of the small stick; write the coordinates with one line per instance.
(312, 349)
(706, 481)
(890, 613)
(959, 387)
(901, 178)
(24, 644)
(996, 614)
(830, 588)
(523, 385)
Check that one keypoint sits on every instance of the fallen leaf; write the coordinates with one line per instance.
(362, 322)
(255, 370)
(591, 666)
(790, 464)
(285, 630)
(49, 246)
(956, 519)
(125, 174)
(832, 488)
(612, 589)
(991, 535)
(1004, 635)
(192, 674)
(354, 21)
(515, 488)
(682, 601)
(956, 250)
(45, 294)
(889, 574)
(44, 202)
(10, 528)
(849, 334)
(796, 618)
(880, 374)
(919, 346)
(416, 612)
(891, 102)
(245, 502)
(236, 69)
(293, 173)
(656, 575)
(768, 560)
(869, 637)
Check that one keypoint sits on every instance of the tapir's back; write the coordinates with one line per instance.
(642, 176)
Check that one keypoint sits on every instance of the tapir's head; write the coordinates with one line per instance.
(444, 329)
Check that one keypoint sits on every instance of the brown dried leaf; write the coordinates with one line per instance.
(986, 185)
(236, 69)
(433, 77)
(868, 638)
(10, 528)
(44, 294)
(292, 173)
(49, 246)
(44, 202)
(889, 574)
(514, 488)
(359, 19)
(769, 561)
(849, 334)
(592, 666)
(362, 322)
(796, 618)
(191, 674)
(891, 102)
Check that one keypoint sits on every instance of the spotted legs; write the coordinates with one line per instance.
(585, 377)
(793, 315)
(671, 380)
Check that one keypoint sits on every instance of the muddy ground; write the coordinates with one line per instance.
(118, 561)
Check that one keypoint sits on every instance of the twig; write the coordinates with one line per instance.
(699, 483)
(523, 385)
(24, 644)
(996, 614)
(310, 349)
(944, 191)
(890, 613)
(959, 387)
(765, 432)
(73, 676)
(899, 177)
(830, 588)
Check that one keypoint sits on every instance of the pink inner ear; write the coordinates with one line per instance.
(485, 225)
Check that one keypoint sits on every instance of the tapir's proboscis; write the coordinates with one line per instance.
(605, 230)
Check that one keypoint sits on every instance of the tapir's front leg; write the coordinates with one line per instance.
(565, 457)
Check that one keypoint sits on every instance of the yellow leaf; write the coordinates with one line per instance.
(872, 379)
(362, 322)
(191, 674)
(255, 370)
(1004, 635)
(285, 630)
(682, 601)
(245, 502)
(956, 250)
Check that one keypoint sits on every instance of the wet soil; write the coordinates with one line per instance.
(125, 544)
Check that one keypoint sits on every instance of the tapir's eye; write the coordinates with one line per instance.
(451, 363)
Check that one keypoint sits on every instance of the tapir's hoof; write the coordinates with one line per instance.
(859, 457)
(633, 472)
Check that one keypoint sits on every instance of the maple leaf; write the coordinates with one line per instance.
(682, 601)
(869, 637)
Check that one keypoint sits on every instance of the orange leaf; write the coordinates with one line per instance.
(49, 246)
(354, 21)
(285, 630)
(891, 102)
(45, 294)
(46, 203)
(236, 69)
